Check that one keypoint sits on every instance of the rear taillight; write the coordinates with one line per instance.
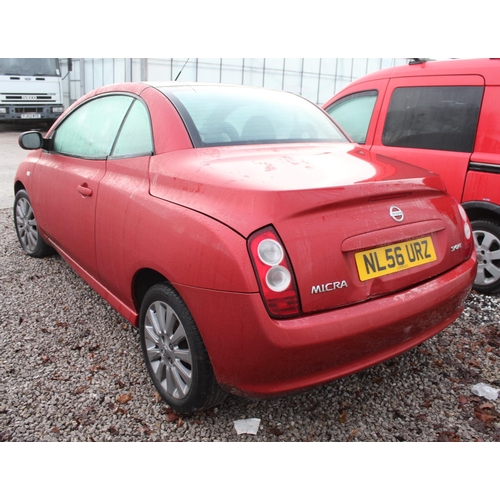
(274, 273)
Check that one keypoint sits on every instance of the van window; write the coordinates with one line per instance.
(443, 118)
(353, 113)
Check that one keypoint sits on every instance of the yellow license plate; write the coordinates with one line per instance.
(394, 258)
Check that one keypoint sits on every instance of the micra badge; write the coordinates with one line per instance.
(328, 287)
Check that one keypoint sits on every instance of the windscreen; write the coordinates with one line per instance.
(29, 67)
(225, 115)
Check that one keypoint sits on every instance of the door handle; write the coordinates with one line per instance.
(84, 190)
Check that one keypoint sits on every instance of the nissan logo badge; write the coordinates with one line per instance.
(396, 213)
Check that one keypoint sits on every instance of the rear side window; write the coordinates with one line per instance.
(135, 137)
(353, 113)
(442, 118)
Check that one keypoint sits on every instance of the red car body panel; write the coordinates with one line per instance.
(68, 218)
(187, 213)
(487, 146)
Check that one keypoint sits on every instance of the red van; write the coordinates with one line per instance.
(443, 116)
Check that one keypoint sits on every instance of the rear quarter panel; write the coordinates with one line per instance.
(135, 231)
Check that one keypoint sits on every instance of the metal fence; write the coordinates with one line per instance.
(317, 79)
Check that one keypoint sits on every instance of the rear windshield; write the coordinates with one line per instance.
(216, 116)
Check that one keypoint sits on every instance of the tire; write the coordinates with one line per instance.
(174, 352)
(27, 229)
(487, 241)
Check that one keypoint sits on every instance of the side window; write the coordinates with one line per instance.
(90, 131)
(442, 118)
(353, 113)
(135, 137)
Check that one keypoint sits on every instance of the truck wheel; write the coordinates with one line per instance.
(487, 241)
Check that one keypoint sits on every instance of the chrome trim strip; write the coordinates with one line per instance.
(485, 167)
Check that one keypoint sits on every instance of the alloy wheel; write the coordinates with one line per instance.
(488, 257)
(26, 225)
(168, 350)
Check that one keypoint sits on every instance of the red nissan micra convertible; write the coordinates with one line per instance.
(258, 250)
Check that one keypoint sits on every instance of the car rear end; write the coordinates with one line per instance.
(348, 274)
(374, 238)
(356, 258)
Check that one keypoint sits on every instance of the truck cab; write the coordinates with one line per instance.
(30, 90)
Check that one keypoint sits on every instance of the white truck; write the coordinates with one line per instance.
(30, 90)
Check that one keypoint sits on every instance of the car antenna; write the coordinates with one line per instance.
(182, 69)
(418, 60)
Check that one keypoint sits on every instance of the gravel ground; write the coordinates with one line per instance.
(71, 370)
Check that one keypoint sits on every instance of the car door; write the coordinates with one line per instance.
(124, 201)
(431, 122)
(67, 176)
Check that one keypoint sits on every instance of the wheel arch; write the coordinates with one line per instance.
(18, 185)
(143, 280)
(477, 210)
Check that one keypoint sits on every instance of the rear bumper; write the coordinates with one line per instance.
(254, 355)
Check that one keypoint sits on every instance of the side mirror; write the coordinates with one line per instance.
(70, 64)
(31, 140)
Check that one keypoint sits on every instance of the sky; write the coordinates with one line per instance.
(257, 28)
